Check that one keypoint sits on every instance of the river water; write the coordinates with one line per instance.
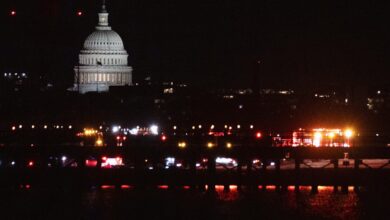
(162, 203)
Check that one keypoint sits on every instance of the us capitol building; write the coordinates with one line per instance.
(102, 61)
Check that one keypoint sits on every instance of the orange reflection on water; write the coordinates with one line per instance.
(325, 188)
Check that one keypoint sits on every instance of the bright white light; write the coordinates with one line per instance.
(70, 126)
(197, 164)
(272, 163)
(109, 162)
(225, 161)
(115, 129)
(134, 131)
(63, 158)
(154, 129)
(179, 165)
(212, 127)
(169, 161)
(13, 163)
(200, 126)
(251, 127)
(317, 139)
(348, 133)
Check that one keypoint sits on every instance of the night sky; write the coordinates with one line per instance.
(208, 43)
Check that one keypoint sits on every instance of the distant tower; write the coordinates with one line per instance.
(103, 60)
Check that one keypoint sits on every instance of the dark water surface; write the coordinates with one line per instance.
(187, 204)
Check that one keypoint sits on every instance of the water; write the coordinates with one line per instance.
(163, 203)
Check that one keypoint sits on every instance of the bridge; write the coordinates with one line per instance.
(196, 166)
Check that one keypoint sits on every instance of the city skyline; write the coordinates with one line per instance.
(218, 43)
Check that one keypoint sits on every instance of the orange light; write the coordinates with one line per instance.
(348, 133)
(182, 144)
(99, 142)
(210, 145)
(229, 145)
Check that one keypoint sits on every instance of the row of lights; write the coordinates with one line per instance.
(213, 126)
(13, 13)
(209, 145)
(14, 127)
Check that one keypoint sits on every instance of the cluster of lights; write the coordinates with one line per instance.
(331, 134)
(151, 130)
(182, 144)
(90, 132)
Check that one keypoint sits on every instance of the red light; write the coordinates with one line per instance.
(118, 137)
(163, 138)
(79, 13)
(13, 13)
(31, 163)
(91, 163)
(258, 135)
(163, 187)
(124, 138)
(104, 158)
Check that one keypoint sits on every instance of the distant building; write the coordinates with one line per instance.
(102, 61)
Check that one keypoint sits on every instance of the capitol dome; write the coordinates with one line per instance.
(103, 60)
(104, 40)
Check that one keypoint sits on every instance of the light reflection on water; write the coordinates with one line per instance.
(162, 203)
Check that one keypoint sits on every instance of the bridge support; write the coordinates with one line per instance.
(314, 189)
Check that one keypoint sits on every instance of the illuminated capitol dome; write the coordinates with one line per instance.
(103, 60)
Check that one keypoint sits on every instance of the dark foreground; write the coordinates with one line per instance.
(187, 204)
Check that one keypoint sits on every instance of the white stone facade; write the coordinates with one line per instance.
(102, 61)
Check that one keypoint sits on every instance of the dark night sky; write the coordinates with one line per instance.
(213, 42)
